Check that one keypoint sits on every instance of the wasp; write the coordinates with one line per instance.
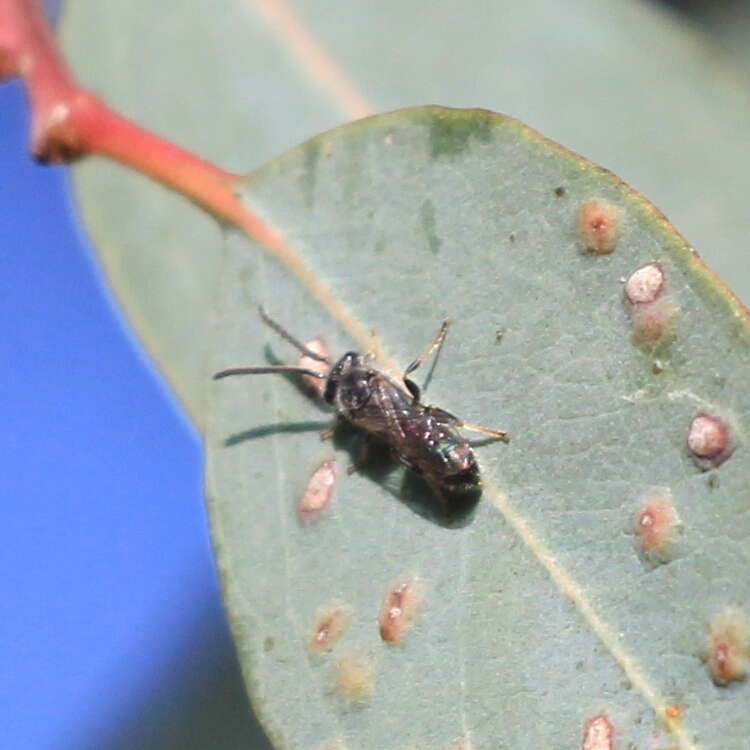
(425, 438)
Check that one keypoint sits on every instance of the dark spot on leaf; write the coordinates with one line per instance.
(450, 131)
(559, 191)
(427, 212)
(268, 644)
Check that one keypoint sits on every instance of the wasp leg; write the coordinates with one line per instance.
(362, 455)
(445, 417)
(434, 345)
(330, 431)
(413, 388)
(496, 434)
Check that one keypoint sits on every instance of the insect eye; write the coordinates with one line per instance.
(330, 391)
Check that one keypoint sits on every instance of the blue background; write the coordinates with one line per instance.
(112, 632)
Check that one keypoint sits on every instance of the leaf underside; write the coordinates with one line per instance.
(538, 610)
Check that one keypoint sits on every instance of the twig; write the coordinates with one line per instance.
(68, 122)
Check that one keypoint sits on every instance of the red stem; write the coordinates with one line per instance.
(68, 122)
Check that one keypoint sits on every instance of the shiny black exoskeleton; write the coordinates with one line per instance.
(424, 438)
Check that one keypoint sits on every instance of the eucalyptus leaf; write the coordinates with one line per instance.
(240, 81)
(543, 608)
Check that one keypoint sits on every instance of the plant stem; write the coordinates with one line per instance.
(68, 122)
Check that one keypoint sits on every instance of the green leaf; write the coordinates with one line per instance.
(539, 610)
(240, 81)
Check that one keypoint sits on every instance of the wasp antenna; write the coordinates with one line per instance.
(265, 370)
(271, 323)
(436, 343)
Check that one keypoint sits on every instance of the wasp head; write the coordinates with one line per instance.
(348, 385)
